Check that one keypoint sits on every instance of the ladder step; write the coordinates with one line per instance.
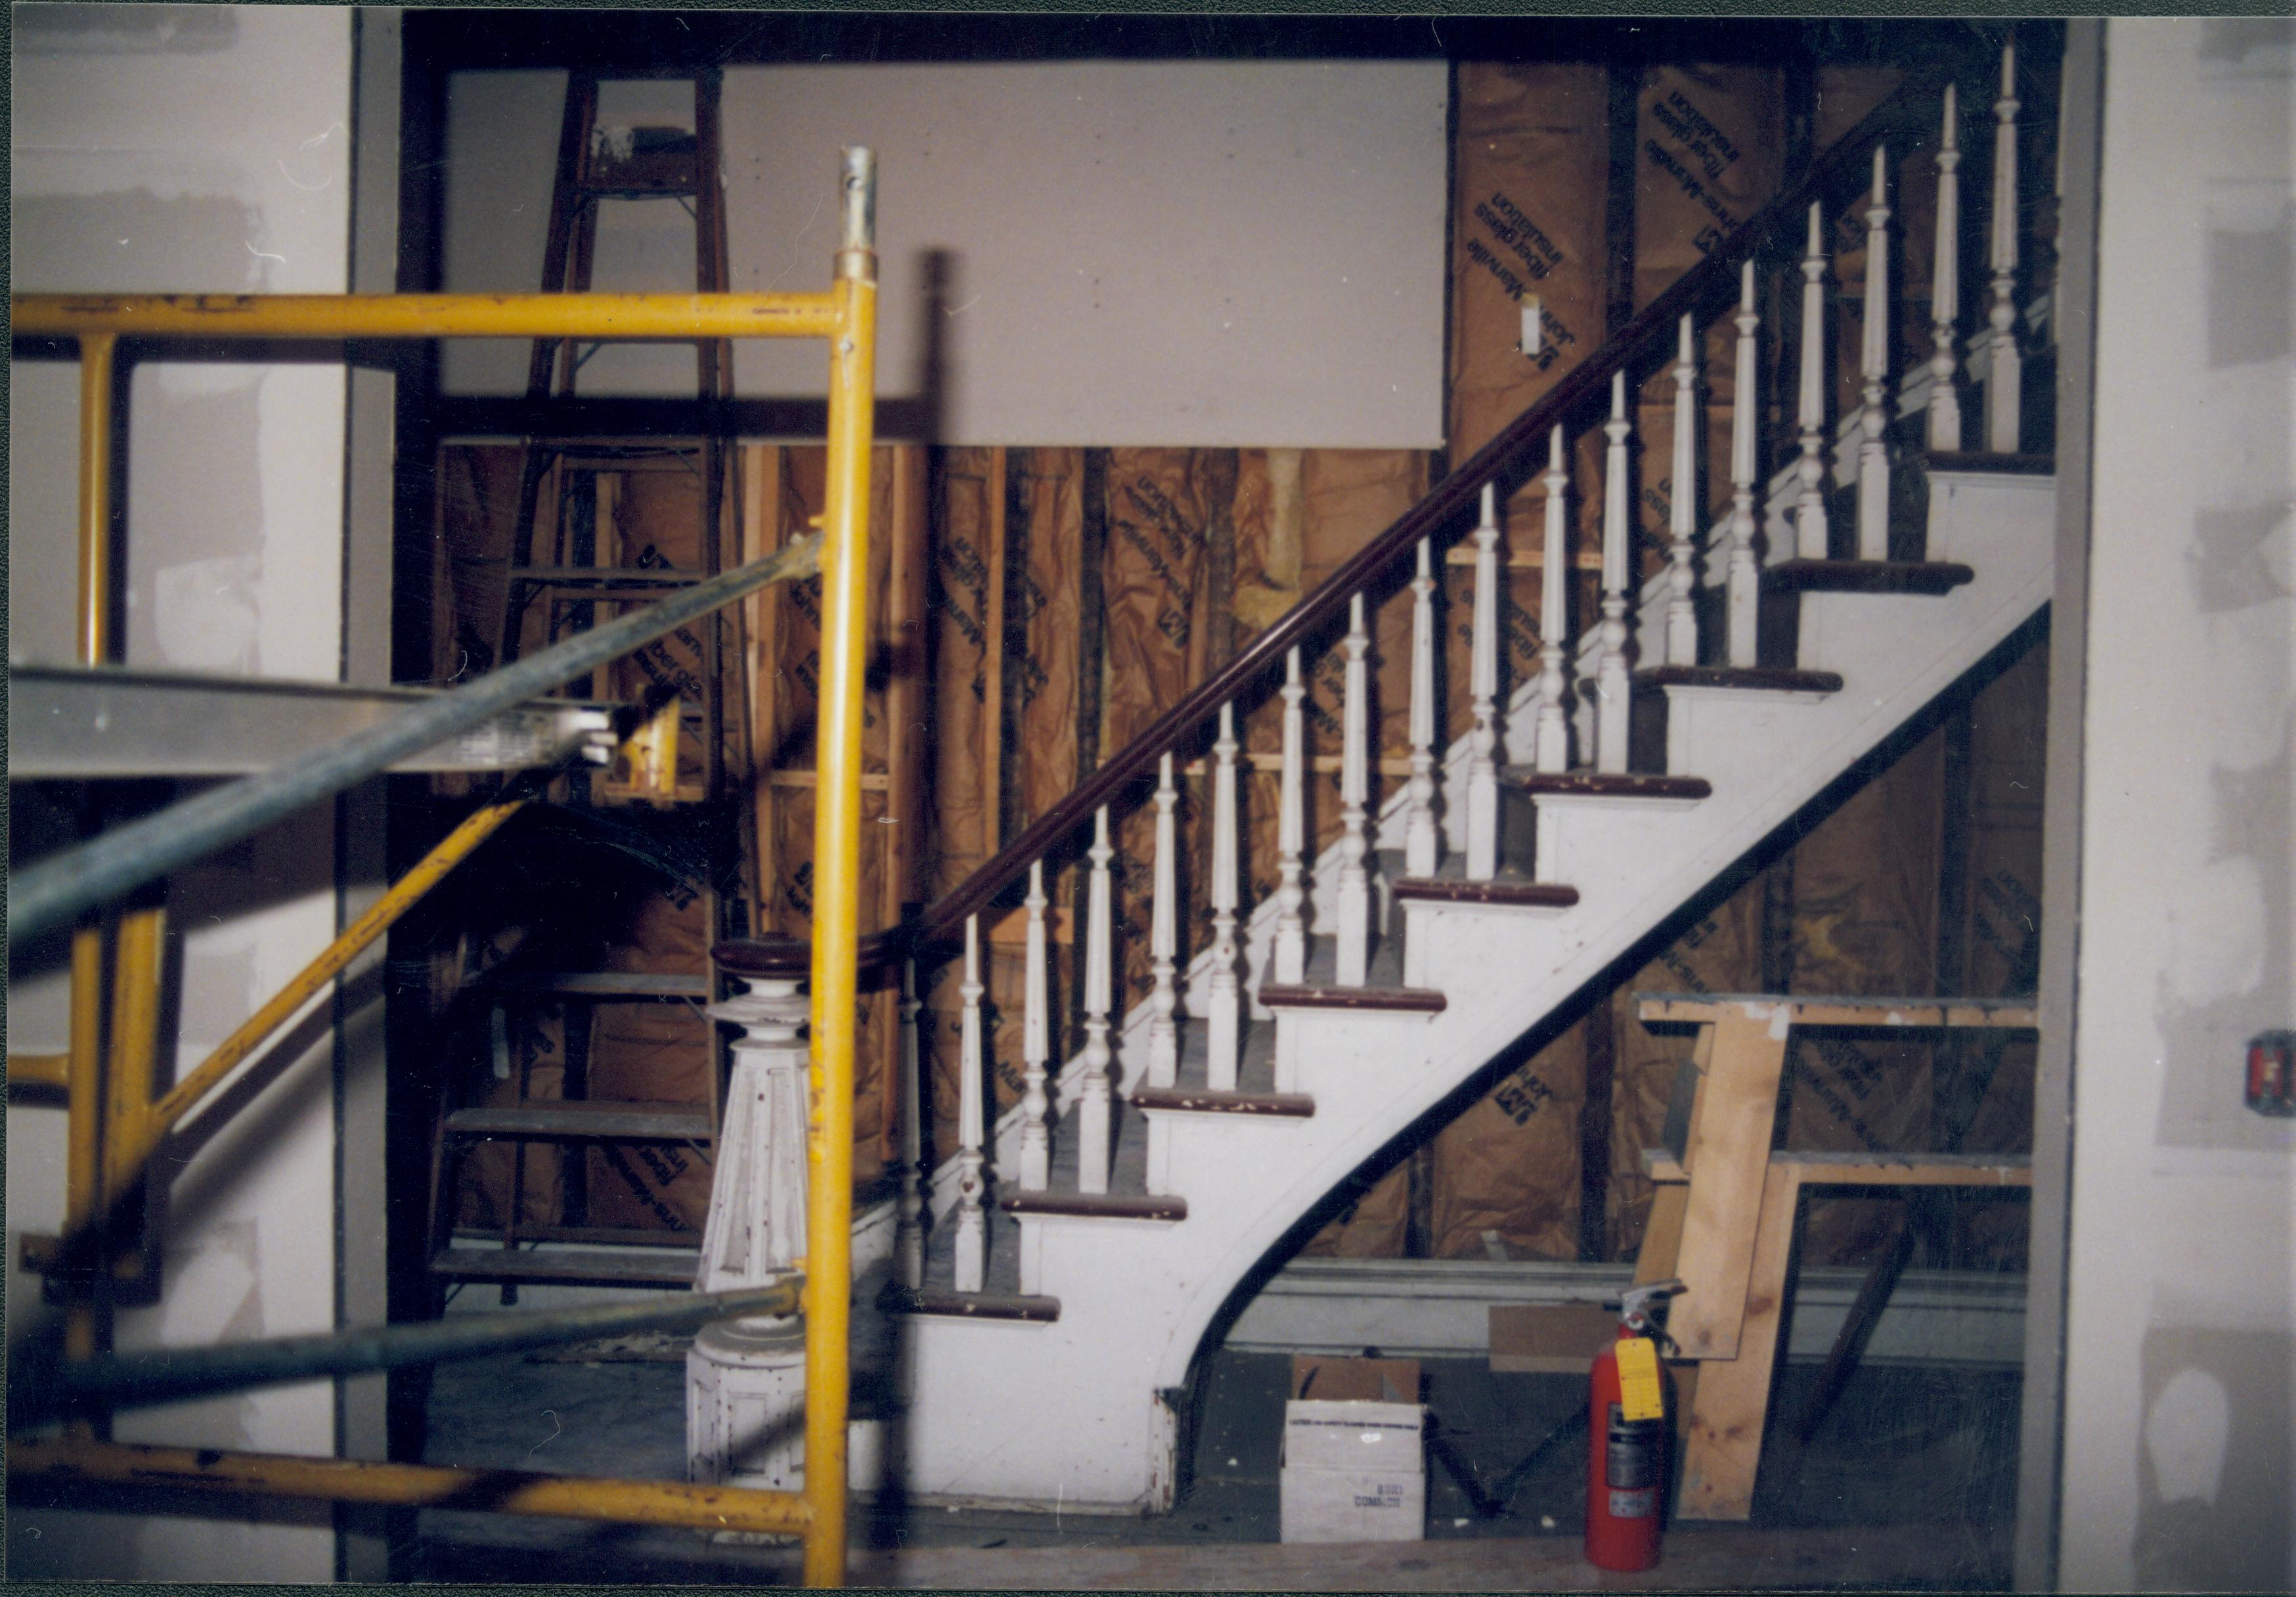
(649, 1267)
(577, 1120)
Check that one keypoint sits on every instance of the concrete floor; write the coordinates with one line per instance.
(1931, 1451)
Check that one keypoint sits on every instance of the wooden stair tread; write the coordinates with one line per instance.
(651, 1267)
(1294, 1106)
(1751, 679)
(1597, 784)
(1503, 890)
(1866, 576)
(971, 1305)
(605, 1118)
(1111, 1206)
(1330, 995)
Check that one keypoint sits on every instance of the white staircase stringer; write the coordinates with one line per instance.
(1070, 1412)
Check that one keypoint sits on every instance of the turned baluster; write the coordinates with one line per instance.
(1036, 1044)
(909, 1238)
(971, 1125)
(2004, 366)
(1810, 508)
(1354, 896)
(1482, 689)
(1745, 573)
(1681, 577)
(1419, 845)
(1093, 1094)
(1873, 366)
(1945, 287)
(1612, 689)
(1291, 956)
(1223, 994)
(1164, 940)
(1554, 751)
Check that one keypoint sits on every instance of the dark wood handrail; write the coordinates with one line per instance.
(1711, 279)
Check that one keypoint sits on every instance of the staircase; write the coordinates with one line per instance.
(1044, 1323)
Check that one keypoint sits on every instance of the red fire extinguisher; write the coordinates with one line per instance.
(1627, 1422)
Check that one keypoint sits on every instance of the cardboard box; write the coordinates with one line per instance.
(1560, 1339)
(1353, 1470)
(1336, 1379)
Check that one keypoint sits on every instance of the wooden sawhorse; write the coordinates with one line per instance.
(1723, 1219)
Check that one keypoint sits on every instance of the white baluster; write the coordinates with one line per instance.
(1810, 508)
(971, 1124)
(2005, 370)
(1681, 577)
(909, 1241)
(1222, 994)
(1419, 845)
(1164, 939)
(1553, 753)
(1036, 1044)
(1093, 1096)
(1873, 366)
(1291, 956)
(1745, 575)
(1945, 287)
(1612, 689)
(1482, 689)
(1354, 792)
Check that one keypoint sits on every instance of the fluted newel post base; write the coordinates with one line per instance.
(745, 1378)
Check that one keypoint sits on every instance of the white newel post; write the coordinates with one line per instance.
(909, 1241)
(1945, 287)
(1354, 894)
(1222, 994)
(1482, 691)
(1554, 734)
(1613, 689)
(1874, 367)
(1093, 1124)
(2004, 366)
(1036, 1044)
(972, 1253)
(1164, 939)
(1745, 575)
(745, 1378)
(1291, 956)
(1682, 509)
(1419, 844)
(1809, 507)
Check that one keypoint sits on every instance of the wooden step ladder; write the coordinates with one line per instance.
(573, 484)
(1723, 1220)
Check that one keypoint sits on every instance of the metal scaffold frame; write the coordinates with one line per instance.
(115, 1121)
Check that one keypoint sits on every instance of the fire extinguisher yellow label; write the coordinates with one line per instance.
(1639, 1395)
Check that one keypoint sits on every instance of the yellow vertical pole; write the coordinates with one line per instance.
(837, 871)
(84, 1188)
(134, 1044)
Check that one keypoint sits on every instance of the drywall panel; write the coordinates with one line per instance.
(2178, 1354)
(203, 149)
(1121, 254)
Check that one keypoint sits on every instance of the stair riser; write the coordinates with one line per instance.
(1704, 726)
(1436, 936)
(1566, 821)
(1185, 1148)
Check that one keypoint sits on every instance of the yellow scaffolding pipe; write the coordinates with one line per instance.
(329, 317)
(68, 1463)
(99, 1166)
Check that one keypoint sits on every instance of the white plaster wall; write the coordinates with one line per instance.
(2178, 1350)
(202, 148)
(1093, 252)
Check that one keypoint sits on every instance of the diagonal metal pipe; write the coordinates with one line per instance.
(50, 892)
(46, 1390)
